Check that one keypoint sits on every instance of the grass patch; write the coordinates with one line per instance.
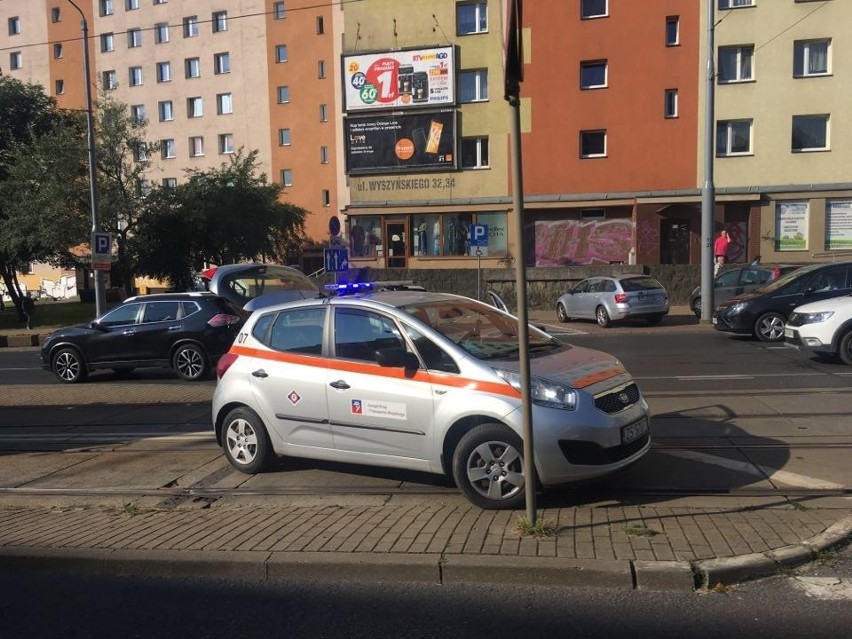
(640, 531)
(827, 558)
(720, 588)
(797, 505)
(539, 530)
(50, 314)
(131, 510)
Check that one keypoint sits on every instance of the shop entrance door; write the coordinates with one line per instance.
(674, 242)
(396, 236)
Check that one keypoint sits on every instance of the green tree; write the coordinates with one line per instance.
(42, 182)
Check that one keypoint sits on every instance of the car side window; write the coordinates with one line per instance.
(829, 280)
(762, 276)
(121, 316)
(582, 287)
(358, 334)
(160, 312)
(594, 286)
(434, 357)
(749, 276)
(298, 331)
(189, 308)
(729, 278)
(607, 286)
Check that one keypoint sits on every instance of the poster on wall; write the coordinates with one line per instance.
(399, 143)
(838, 225)
(399, 79)
(791, 226)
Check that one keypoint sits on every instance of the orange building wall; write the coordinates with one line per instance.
(644, 150)
(70, 66)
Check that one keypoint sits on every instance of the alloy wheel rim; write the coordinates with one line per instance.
(67, 366)
(495, 470)
(242, 441)
(189, 362)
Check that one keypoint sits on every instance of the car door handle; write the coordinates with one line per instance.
(340, 385)
(260, 373)
(174, 328)
(128, 332)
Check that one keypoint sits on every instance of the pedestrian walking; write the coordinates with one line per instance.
(28, 306)
(720, 251)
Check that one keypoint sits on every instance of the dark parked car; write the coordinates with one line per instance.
(738, 280)
(764, 312)
(184, 331)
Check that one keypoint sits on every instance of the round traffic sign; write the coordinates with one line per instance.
(334, 225)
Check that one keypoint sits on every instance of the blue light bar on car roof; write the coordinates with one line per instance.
(348, 288)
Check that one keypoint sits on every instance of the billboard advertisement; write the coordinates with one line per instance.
(400, 142)
(399, 79)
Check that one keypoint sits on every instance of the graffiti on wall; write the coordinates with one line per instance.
(569, 242)
(737, 247)
(62, 289)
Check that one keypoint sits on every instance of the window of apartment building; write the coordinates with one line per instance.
(192, 67)
(279, 11)
(594, 8)
(226, 143)
(286, 177)
(284, 137)
(196, 146)
(283, 95)
(16, 60)
(107, 42)
(110, 79)
(323, 113)
(810, 133)
(161, 32)
(733, 137)
(320, 25)
(321, 69)
(55, 15)
(164, 72)
(194, 107)
(672, 31)
(670, 103)
(135, 76)
(736, 64)
(134, 38)
(59, 87)
(324, 155)
(107, 8)
(140, 152)
(221, 63)
(57, 50)
(167, 149)
(471, 17)
(474, 153)
(190, 26)
(132, 5)
(160, 1)
(281, 53)
(137, 113)
(167, 110)
(811, 57)
(592, 144)
(593, 74)
(473, 85)
(169, 183)
(224, 104)
(326, 197)
(733, 4)
(14, 26)
(220, 21)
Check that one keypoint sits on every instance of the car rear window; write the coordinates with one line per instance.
(640, 284)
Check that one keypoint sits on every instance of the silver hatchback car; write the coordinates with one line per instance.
(607, 299)
(427, 382)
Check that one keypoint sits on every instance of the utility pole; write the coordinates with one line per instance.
(708, 192)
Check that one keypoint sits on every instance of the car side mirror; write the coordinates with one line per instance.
(396, 357)
(98, 325)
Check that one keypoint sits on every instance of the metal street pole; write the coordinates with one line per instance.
(93, 185)
(708, 192)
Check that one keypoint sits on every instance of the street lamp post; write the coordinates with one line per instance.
(93, 186)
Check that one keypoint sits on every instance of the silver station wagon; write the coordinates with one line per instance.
(608, 299)
(427, 382)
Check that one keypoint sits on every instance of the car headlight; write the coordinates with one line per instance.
(813, 318)
(737, 308)
(543, 392)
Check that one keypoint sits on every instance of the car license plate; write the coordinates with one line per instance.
(634, 431)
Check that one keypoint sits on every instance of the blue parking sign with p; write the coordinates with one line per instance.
(479, 235)
(101, 243)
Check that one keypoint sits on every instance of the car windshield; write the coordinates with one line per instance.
(784, 280)
(479, 329)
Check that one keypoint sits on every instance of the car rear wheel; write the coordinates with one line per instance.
(246, 442)
(696, 307)
(602, 317)
(769, 327)
(561, 313)
(488, 467)
(845, 349)
(68, 366)
(190, 362)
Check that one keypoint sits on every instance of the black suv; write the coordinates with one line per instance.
(764, 312)
(184, 331)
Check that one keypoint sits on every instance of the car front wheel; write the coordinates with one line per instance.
(769, 327)
(68, 366)
(696, 307)
(845, 349)
(246, 442)
(190, 362)
(488, 467)
(561, 313)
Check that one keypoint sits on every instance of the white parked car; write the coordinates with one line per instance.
(824, 327)
(423, 381)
